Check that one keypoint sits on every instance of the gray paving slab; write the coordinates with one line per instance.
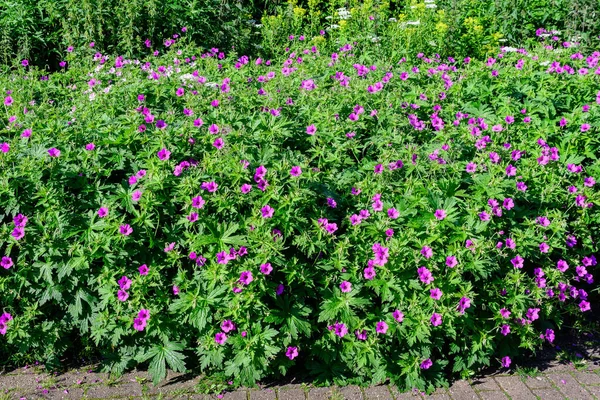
(493, 395)
(320, 393)
(264, 394)
(515, 388)
(291, 392)
(461, 390)
(549, 394)
(484, 384)
(594, 390)
(378, 393)
(537, 382)
(588, 378)
(351, 393)
(236, 395)
(569, 386)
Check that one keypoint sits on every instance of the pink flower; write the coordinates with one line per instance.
(295, 171)
(227, 326)
(163, 154)
(102, 212)
(125, 230)
(584, 306)
(220, 338)
(311, 129)
(435, 294)
(427, 252)
(381, 327)
(291, 352)
(267, 211)
(143, 269)
(266, 268)
(246, 278)
(124, 283)
(426, 364)
(398, 315)
(6, 262)
(440, 214)
(345, 287)
(139, 324)
(54, 152)
(122, 295)
(425, 275)
(436, 319)
(198, 202)
(451, 261)
(219, 143)
(393, 213)
(506, 361)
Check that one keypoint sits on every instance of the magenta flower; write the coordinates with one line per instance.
(267, 211)
(345, 286)
(180, 92)
(584, 305)
(6, 262)
(198, 202)
(506, 361)
(508, 203)
(426, 364)
(291, 352)
(311, 129)
(517, 262)
(369, 273)
(393, 213)
(427, 252)
(218, 143)
(125, 230)
(139, 324)
(463, 304)
(102, 212)
(440, 214)
(245, 188)
(210, 187)
(143, 269)
(435, 294)
(451, 261)
(295, 171)
(227, 326)
(425, 275)
(213, 129)
(381, 327)
(246, 278)
(124, 283)
(220, 338)
(163, 154)
(18, 233)
(436, 319)
(471, 167)
(266, 268)
(54, 152)
(122, 295)
(137, 195)
(398, 315)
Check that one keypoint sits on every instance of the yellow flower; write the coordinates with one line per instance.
(299, 12)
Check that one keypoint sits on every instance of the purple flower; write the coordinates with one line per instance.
(102, 212)
(440, 214)
(345, 287)
(436, 319)
(137, 195)
(381, 327)
(505, 313)
(246, 278)
(511, 170)
(210, 187)
(398, 315)
(508, 203)
(125, 230)
(218, 143)
(163, 154)
(143, 269)
(505, 329)
(54, 152)
(90, 146)
(227, 326)
(18, 233)
(266, 268)
(425, 275)
(361, 335)
(6, 262)
(245, 188)
(506, 361)
(426, 364)
(160, 124)
(311, 129)
(427, 252)
(124, 283)
(435, 293)
(471, 167)
(291, 352)
(279, 290)
(295, 171)
(451, 261)
(122, 295)
(584, 306)
(220, 338)
(139, 324)
(267, 211)
(463, 304)
(517, 262)
(393, 213)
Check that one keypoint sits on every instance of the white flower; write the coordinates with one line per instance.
(392, 20)
(545, 63)
(187, 77)
(92, 96)
(430, 6)
(413, 22)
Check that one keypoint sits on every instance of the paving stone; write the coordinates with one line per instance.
(378, 393)
(549, 394)
(493, 395)
(588, 378)
(595, 390)
(537, 382)
(265, 394)
(320, 393)
(291, 392)
(442, 396)
(351, 393)
(401, 395)
(461, 390)
(569, 387)
(236, 395)
(483, 384)
(515, 388)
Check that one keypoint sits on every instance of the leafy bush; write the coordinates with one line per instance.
(337, 209)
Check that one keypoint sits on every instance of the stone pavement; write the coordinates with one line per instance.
(553, 381)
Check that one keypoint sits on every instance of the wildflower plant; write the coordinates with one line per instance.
(345, 211)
